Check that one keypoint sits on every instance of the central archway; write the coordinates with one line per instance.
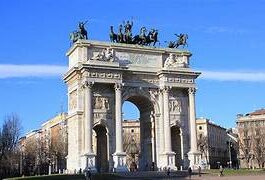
(146, 156)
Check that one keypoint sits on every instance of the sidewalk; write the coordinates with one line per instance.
(256, 177)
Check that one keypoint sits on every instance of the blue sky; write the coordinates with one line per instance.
(226, 38)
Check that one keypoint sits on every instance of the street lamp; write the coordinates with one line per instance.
(230, 158)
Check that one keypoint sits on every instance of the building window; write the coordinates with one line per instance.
(132, 130)
(200, 127)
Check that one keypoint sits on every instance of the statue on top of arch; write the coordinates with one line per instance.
(125, 35)
(81, 33)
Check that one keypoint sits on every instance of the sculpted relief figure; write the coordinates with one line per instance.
(174, 61)
(105, 103)
(175, 106)
(73, 100)
(106, 55)
(170, 60)
(101, 103)
(97, 103)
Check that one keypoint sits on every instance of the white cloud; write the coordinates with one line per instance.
(41, 70)
(233, 76)
(44, 70)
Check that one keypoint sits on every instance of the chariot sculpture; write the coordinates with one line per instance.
(125, 35)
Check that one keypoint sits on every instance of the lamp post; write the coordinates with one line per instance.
(230, 158)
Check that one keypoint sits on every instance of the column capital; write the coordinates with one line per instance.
(118, 86)
(192, 90)
(87, 84)
(165, 89)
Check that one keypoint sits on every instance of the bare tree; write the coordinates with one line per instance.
(245, 148)
(259, 146)
(36, 155)
(9, 153)
(58, 148)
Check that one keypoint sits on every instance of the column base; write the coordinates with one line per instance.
(194, 157)
(169, 161)
(119, 159)
(90, 162)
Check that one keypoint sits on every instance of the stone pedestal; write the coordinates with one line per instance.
(171, 160)
(90, 162)
(120, 162)
(168, 160)
(194, 158)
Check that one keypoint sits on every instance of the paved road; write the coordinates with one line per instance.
(196, 177)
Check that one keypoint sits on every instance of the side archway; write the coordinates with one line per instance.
(102, 163)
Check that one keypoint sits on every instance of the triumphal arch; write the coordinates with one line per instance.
(159, 81)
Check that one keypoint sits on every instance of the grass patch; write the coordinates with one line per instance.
(233, 172)
(67, 177)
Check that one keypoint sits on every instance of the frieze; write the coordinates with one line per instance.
(180, 80)
(153, 81)
(104, 75)
(141, 78)
(138, 59)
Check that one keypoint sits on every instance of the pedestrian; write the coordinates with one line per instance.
(168, 171)
(221, 171)
(153, 166)
(190, 171)
(199, 170)
(88, 174)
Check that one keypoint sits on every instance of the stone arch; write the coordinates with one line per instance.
(102, 156)
(136, 91)
(146, 105)
(176, 140)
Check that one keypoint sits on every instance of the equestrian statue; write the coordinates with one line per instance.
(81, 33)
(181, 41)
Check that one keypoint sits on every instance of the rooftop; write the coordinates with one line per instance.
(257, 112)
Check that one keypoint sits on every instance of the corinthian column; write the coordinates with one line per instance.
(88, 118)
(118, 109)
(119, 157)
(194, 154)
(169, 160)
(167, 130)
(89, 156)
(193, 137)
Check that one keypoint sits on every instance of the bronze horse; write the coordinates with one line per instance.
(181, 41)
(82, 30)
(152, 37)
(113, 37)
(141, 38)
